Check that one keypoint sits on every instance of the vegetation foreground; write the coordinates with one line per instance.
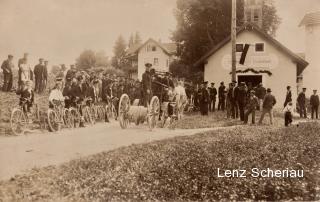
(184, 168)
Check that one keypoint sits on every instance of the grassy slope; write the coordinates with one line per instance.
(184, 168)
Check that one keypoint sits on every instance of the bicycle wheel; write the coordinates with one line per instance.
(75, 117)
(53, 121)
(87, 115)
(67, 118)
(18, 122)
(101, 113)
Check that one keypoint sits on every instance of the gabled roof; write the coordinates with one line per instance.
(310, 19)
(253, 27)
(168, 48)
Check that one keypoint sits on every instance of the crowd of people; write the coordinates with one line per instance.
(72, 86)
(239, 100)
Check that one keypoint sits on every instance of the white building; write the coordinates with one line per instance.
(311, 77)
(160, 55)
(267, 61)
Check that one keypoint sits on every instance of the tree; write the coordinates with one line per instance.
(86, 60)
(131, 41)
(118, 51)
(137, 38)
(202, 24)
(102, 60)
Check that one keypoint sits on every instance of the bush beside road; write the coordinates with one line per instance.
(184, 168)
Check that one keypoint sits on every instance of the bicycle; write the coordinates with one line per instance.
(56, 116)
(20, 120)
(111, 107)
(88, 111)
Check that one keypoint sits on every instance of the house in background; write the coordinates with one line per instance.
(160, 55)
(267, 62)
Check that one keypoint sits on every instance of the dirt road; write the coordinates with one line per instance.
(21, 153)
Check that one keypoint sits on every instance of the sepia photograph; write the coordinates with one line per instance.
(159, 100)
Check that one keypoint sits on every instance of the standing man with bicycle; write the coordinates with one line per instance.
(78, 95)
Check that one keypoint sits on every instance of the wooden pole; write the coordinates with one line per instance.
(233, 38)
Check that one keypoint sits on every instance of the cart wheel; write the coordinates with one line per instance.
(153, 112)
(164, 115)
(124, 106)
(53, 121)
(18, 121)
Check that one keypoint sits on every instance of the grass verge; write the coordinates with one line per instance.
(184, 168)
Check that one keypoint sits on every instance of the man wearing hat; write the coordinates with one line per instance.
(288, 96)
(43, 72)
(222, 97)
(301, 100)
(204, 99)
(38, 74)
(147, 85)
(251, 107)
(7, 67)
(260, 93)
(71, 73)
(213, 95)
(268, 103)
(241, 99)
(314, 102)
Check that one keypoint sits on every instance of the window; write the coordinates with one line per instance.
(256, 15)
(259, 47)
(154, 48)
(239, 47)
(156, 62)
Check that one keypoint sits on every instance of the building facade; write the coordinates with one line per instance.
(160, 55)
(311, 24)
(267, 62)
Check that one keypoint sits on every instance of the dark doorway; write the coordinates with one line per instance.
(253, 79)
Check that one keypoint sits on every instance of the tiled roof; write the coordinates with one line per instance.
(169, 48)
(311, 19)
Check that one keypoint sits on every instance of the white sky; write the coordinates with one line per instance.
(59, 30)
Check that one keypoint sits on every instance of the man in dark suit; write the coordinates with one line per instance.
(43, 73)
(241, 99)
(213, 96)
(79, 92)
(147, 85)
(288, 96)
(204, 99)
(7, 67)
(38, 74)
(222, 97)
(301, 100)
(314, 102)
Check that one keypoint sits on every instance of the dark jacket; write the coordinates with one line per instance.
(269, 101)
(260, 92)
(7, 67)
(146, 81)
(288, 98)
(314, 100)
(38, 69)
(222, 91)
(301, 98)
(213, 93)
(79, 91)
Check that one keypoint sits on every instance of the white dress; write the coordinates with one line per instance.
(25, 72)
